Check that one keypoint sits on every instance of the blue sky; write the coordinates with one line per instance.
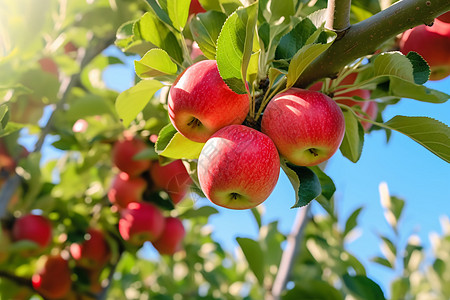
(412, 173)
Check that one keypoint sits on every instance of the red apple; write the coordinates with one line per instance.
(173, 178)
(365, 106)
(93, 252)
(171, 238)
(306, 126)
(141, 222)
(34, 228)
(238, 167)
(196, 7)
(433, 44)
(200, 102)
(48, 65)
(126, 189)
(123, 152)
(445, 17)
(53, 280)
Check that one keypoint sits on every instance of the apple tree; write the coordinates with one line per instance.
(102, 191)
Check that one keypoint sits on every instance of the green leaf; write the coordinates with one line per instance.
(393, 63)
(305, 56)
(305, 182)
(421, 70)
(312, 290)
(202, 212)
(205, 29)
(234, 47)
(151, 29)
(295, 39)
(327, 184)
(363, 288)
(353, 141)
(389, 249)
(257, 215)
(352, 221)
(130, 102)
(396, 207)
(159, 11)
(405, 89)
(400, 288)
(155, 62)
(178, 11)
(382, 261)
(430, 133)
(164, 137)
(4, 116)
(182, 147)
(10, 128)
(254, 255)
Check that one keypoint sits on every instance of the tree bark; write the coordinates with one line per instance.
(365, 37)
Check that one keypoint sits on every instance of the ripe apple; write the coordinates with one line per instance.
(306, 126)
(238, 167)
(125, 189)
(196, 7)
(94, 252)
(48, 65)
(368, 107)
(53, 280)
(173, 178)
(432, 43)
(200, 102)
(123, 152)
(34, 228)
(171, 238)
(141, 222)
(445, 17)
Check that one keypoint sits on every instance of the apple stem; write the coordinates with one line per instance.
(194, 122)
(313, 151)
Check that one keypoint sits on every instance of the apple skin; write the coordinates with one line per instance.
(173, 178)
(125, 189)
(368, 107)
(48, 65)
(141, 222)
(34, 228)
(238, 167)
(200, 102)
(306, 126)
(445, 17)
(53, 281)
(433, 44)
(196, 7)
(122, 155)
(171, 238)
(94, 252)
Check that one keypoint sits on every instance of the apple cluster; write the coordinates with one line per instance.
(432, 43)
(239, 165)
(142, 220)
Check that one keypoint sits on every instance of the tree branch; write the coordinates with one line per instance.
(338, 15)
(290, 253)
(365, 37)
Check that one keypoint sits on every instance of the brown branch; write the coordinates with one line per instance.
(290, 253)
(17, 279)
(365, 37)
